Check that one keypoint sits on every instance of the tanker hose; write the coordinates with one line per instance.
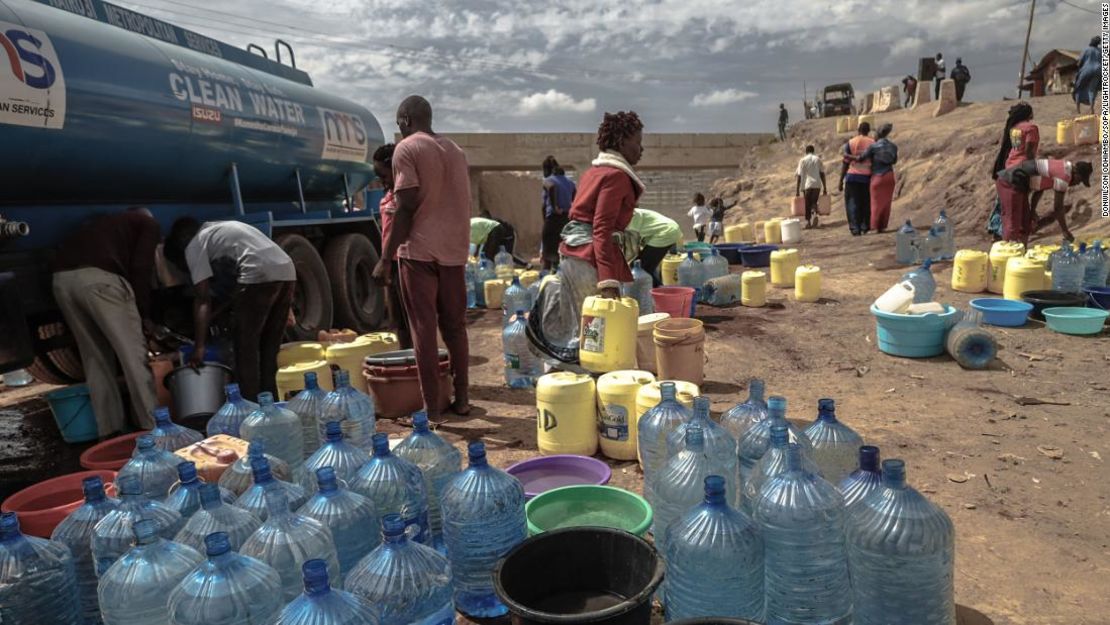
(13, 229)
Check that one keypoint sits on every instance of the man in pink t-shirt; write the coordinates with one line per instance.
(430, 236)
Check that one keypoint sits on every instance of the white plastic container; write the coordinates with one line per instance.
(897, 298)
(927, 307)
(791, 231)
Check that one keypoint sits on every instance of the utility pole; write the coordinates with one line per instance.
(805, 105)
(1025, 52)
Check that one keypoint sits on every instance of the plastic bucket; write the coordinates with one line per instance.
(42, 506)
(588, 505)
(580, 575)
(680, 350)
(677, 301)
(393, 383)
(912, 336)
(73, 412)
(645, 346)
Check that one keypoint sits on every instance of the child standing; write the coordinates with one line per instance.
(717, 211)
(700, 213)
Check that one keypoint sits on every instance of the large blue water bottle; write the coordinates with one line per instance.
(226, 589)
(679, 484)
(805, 556)
(691, 274)
(483, 518)
(471, 277)
(253, 499)
(715, 266)
(75, 531)
(134, 590)
(185, 495)
(217, 516)
(169, 435)
(503, 264)
(230, 415)
(112, 535)
(156, 469)
(347, 515)
(642, 283)
(714, 560)
(771, 464)
(407, 582)
(514, 299)
(943, 229)
(353, 409)
(485, 273)
(439, 462)
(522, 367)
(905, 244)
(286, 540)
(718, 440)
(924, 284)
(323, 605)
(1096, 266)
(308, 405)
(741, 417)
(835, 445)
(396, 486)
(343, 457)
(864, 480)
(37, 580)
(755, 442)
(1067, 271)
(654, 426)
(279, 428)
(238, 477)
(901, 551)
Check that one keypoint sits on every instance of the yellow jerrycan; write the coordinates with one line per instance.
(807, 283)
(753, 289)
(670, 269)
(1023, 274)
(290, 380)
(1001, 252)
(616, 412)
(350, 356)
(607, 336)
(566, 421)
(784, 263)
(300, 351)
(969, 271)
(772, 230)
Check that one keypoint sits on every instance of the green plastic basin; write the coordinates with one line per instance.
(588, 506)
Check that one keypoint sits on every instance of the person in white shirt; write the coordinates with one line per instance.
(264, 281)
(938, 76)
(701, 214)
(809, 178)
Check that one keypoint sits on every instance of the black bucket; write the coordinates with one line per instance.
(580, 575)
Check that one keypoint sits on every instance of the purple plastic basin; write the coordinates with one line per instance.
(544, 473)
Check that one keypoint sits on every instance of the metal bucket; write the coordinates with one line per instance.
(198, 392)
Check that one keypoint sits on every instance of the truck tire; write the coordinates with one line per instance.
(359, 303)
(60, 365)
(312, 300)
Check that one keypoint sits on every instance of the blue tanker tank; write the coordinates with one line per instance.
(102, 108)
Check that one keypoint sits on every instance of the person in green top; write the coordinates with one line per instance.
(480, 227)
(489, 234)
(658, 234)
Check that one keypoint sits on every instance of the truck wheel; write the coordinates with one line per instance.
(60, 365)
(312, 301)
(359, 303)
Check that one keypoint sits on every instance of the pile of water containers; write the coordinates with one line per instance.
(759, 519)
(321, 523)
(754, 517)
(1075, 269)
(939, 243)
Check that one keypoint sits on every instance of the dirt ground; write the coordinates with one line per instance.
(1025, 482)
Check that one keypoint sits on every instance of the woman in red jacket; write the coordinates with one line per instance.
(595, 248)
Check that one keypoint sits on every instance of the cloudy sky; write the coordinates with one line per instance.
(684, 65)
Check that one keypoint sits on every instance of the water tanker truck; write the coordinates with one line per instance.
(103, 108)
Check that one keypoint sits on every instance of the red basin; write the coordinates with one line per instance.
(42, 506)
(110, 455)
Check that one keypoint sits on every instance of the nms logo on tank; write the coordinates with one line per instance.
(32, 85)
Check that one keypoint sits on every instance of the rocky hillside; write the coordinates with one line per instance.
(944, 163)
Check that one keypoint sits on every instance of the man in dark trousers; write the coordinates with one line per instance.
(102, 281)
(855, 181)
(784, 119)
(961, 76)
(264, 277)
(909, 88)
(938, 76)
(430, 236)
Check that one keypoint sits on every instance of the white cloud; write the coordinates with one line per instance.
(722, 97)
(905, 46)
(555, 101)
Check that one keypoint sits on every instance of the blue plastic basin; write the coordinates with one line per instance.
(1068, 320)
(1098, 297)
(757, 255)
(1002, 312)
(913, 336)
(731, 252)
